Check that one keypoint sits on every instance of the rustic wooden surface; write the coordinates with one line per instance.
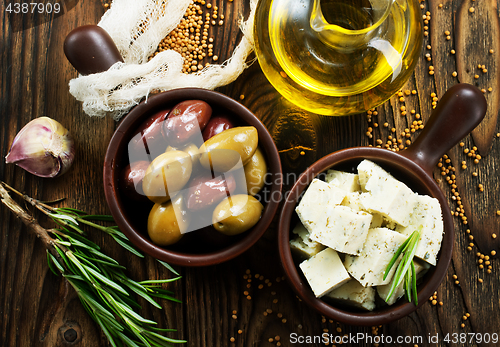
(39, 309)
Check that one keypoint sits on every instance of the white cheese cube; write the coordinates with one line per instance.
(353, 200)
(343, 229)
(324, 272)
(354, 294)
(313, 207)
(377, 220)
(344, 180)
(369, 267)
(427, 213)
(302, 245)
(383, 291)
(385, 194)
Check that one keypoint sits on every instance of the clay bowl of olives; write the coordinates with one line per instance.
(192, 177)
(361, 300)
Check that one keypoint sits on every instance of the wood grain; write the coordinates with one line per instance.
(247, 298)
(477, 44)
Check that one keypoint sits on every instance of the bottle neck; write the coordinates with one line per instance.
(351, 27)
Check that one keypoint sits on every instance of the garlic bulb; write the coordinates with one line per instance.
(43, 147)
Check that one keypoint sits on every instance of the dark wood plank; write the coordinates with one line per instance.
(477, 42)
(247, 298)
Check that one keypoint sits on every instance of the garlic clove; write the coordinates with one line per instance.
(43, 147)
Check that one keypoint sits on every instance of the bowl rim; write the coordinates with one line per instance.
(301, 287)
(141, 240)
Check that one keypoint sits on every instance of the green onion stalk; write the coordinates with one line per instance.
(405, 270)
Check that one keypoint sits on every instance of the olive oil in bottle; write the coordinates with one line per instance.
(337, 57)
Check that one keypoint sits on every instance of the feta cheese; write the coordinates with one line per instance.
(383, 291)
(313, 207)
(380, 246)
(343, 229)
(324, 272)
(302, 245)
(344, 180)
(385, 194)
(377, 220)
(353, 200)
(354, 294)
(427, 213)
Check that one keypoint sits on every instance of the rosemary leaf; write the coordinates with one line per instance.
(166, 339)
(168, 267)
(98, 217)
(128, 247)
(70, 210)
(53, 261)
(64, 217)
(100, 282)
(105, 330)
(106, 281)
(126, 339)
(86, 261)
(102, 262)
(160, 281)
(143, 294)
(127, 309)
(78, 265)
(166, 297)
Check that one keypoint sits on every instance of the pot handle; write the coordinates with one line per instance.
(90, 49)
(458, 112)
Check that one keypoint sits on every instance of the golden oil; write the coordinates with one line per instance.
(338, 57)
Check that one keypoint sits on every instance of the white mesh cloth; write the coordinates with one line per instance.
(115, 91)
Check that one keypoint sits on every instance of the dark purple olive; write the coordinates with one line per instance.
(131, 180)
(185, 120)
(205, 191)
(216, 125)
(148, 141)
(90, 49)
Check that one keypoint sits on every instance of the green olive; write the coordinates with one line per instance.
(225, 150)
(166, 175)
(236, 214)
(164, 226)
(255, 172)
(190, 149)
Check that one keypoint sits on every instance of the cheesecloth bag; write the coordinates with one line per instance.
(115, 91)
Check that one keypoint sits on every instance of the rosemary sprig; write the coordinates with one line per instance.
(406, 268)
(104, 289)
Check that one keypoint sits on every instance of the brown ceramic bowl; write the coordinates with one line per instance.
(458, 112)
(196, 248)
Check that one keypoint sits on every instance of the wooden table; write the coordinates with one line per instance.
(219, 302)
